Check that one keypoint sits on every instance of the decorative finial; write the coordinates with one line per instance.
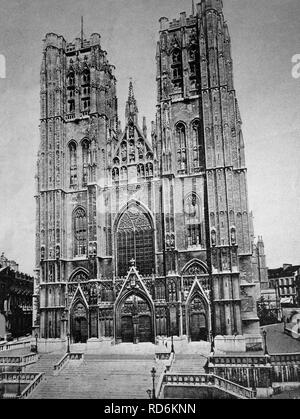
(81, 34)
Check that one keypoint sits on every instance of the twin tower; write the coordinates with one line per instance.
(144, 233)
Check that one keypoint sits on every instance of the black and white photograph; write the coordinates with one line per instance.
(149, 202)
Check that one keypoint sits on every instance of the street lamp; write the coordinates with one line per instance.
(172, 345)
(153, 373)
(36, 342)
(212, 342)
(68, 348)
(265, 342)
(19, 382)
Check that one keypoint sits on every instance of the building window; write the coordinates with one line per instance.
(80, 232)
(71, 92)
(86, 77)
(177, 68)
(193, 61)
(192, 213)
(196, 143)
(85, 157)
(73, 164)
(85, 90)
(135, 240)
(181, 146)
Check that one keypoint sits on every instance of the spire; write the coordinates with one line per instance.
(193, 8)
(131, 105)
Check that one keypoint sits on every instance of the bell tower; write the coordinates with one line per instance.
(78, 120)
(200, 140)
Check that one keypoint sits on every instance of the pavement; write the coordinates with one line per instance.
(278, 342)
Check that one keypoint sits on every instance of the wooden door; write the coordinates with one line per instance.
(127, 329)
(198, 329)
(80, 330)
(145, 329)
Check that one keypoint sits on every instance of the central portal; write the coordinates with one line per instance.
(135, 321)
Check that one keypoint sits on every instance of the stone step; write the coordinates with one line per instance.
(128, 379)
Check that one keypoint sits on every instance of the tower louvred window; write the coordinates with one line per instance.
(73, 164)
(177, 67)
(85, 156)
(80, 232)
(193, 220)
(181, 146)
(85, 90)
(193, 61)
(196, 143)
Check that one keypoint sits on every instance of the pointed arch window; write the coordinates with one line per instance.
(181, 146)
(80, 232)
(193, 54)
(193, 221)
(85, 90)
(196, 143)
(177, 67)
(135, 240)
(73, 164)
(85, 158)
(71, 91)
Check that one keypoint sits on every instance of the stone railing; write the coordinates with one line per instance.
(20, 361)
(238, 360)
(29, 389)
(65, 359)
(257, 371)
(8, 346)
(14, 377)
(30, 378)
(285, 359)
(208, 380)
(166, 369)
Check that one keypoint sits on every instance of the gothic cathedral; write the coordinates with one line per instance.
(145, 233)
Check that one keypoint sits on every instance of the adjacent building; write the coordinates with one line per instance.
(269, 307)
(16, 291)
(144, 233)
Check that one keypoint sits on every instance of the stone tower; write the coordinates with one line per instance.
(199, 132)
(78, 119)
(143, 235)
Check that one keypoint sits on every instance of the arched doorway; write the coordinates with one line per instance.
(79, 323)
(134, 320)
(135, 240)
(198, 320)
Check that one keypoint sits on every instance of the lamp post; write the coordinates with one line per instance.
(36, 342)
(68, 347)
(19, 382)
(212, 342)
(172, 345)
(153, 373)
(265, 342)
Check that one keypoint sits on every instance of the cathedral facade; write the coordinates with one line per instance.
(143, 232)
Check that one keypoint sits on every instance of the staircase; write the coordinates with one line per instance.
(101, 377)
(45, 364)
(191, 364)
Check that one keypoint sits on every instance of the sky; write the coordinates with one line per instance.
(265, 36)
